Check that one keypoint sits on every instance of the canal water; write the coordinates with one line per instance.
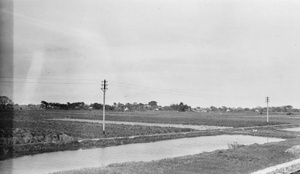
(99, 157)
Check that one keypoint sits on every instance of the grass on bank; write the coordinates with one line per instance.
(94, 130)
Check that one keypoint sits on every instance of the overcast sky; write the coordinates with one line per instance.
(200, 52)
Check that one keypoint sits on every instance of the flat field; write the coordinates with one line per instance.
(38, 121)
(243, 119)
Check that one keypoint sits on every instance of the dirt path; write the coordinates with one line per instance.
(196, 127)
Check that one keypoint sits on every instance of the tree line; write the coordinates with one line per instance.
(152, 105)
(285, 108)
(6, 103)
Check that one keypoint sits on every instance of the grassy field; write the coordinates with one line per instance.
(244, 119)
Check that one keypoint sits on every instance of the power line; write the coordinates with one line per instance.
(145, 89)
(117, 84)
(123, 85)
(43, 82)
(175, 92)
(45, 78)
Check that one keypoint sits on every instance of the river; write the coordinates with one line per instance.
(99, 157)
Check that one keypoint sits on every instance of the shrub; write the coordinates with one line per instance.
(234, 145)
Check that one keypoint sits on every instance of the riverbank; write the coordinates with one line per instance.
(18, 150)
(238, 159)
(31, 139)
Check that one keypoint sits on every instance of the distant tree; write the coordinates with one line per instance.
(120, 106)
(213, 108)
(96, 106)
(182, 107)
(246, 109)
(239, 109)
(5, 102)
(224, 108)
(166, 108)
(135, 106)
(288, 108)
(44, 104)
(129, 106)
(174, 107)
(76, 105)
(109, 107)
(141, 105)
(63, 106)
(153, 104)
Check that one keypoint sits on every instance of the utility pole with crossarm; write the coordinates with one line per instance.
(267, 100)
(104, 89)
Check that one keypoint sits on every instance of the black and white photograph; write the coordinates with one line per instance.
(149, 86)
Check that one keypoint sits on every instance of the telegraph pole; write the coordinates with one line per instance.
(104, 88)
(267, 100)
